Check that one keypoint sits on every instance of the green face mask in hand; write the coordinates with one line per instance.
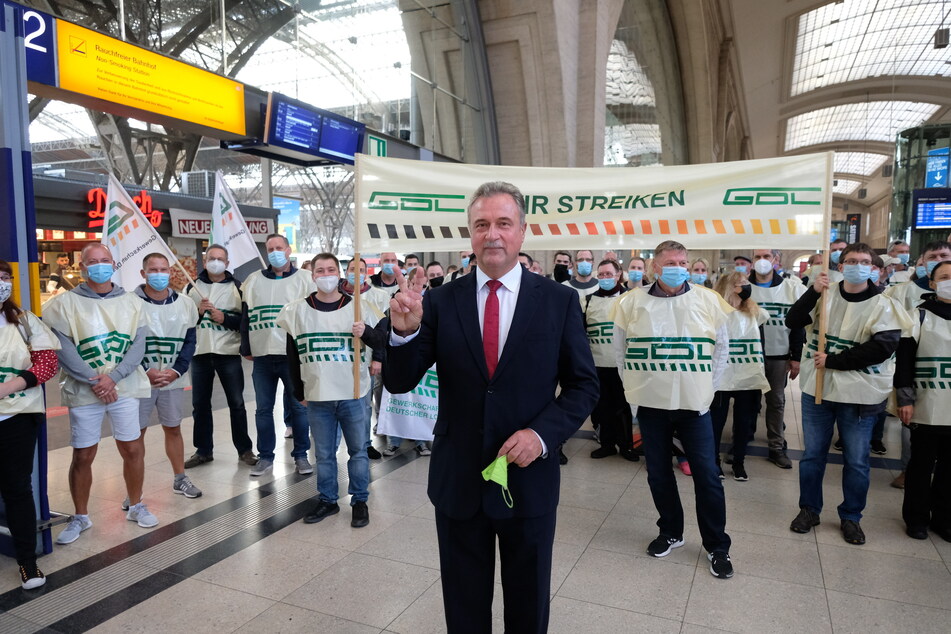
(498, 471)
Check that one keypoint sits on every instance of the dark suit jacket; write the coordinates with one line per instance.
(546, 347)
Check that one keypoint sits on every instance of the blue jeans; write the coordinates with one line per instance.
(231, 375)
(396, 441)
(327, 419)
(818, 421)
(695, 432)
(268, 370)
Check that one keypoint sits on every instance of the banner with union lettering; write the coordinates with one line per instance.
(778, 203)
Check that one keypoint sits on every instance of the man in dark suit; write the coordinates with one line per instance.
(503, 340)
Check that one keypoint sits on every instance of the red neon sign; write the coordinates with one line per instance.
(97, 214)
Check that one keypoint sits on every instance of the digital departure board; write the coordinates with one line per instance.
(309, 134)
(932, 208)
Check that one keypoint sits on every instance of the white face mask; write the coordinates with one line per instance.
(763, 267)
(327, 283)
(944, 289)
(6, 289)
(215, 267)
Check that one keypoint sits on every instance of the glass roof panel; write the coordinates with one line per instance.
(864, 163)
(845, 186)
(875, 121)
(847, 41)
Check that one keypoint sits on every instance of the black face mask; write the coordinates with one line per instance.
(745, 291)
(435, 281)
(560, 274)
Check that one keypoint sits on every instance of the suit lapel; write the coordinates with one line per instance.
(529, 296)
(468, 311)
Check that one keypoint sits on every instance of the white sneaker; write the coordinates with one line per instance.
(142, 515)
(76, 526)
(288, 432)
(262, 467)
(392, 450)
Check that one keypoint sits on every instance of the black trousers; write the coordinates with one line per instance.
(928, 478)
(467, 565)
(18, 439)
(612, 415)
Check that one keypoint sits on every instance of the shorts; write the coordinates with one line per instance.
(85, 422)
(167, 403)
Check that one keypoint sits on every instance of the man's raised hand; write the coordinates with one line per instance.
(406, 308)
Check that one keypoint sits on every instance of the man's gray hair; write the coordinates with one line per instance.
(216, 246)
(669, 245)
(493, 188)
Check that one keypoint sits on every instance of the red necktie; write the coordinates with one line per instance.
(490, 327)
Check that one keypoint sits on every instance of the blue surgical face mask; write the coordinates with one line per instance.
(903, 258)
(698, 278)
(278, 259)
(607, 284)
(158, 281)
(350, 279)
(636, 276)
(857, 273)
(584, 269)
(674, 276)
(921, 271)
(388, 268)
(875, 276)
(835, 255)
(571, 271)
(930, 266)
(465, 262)
(741, 268)
(100, 273)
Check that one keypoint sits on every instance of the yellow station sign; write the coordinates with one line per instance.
(100, 66)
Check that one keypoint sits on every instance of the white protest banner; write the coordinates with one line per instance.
(129, 237)
(411, 415)
(229, 229)
(780, 203)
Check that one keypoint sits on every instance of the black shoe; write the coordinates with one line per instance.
(804, 521)
(780, 459)
(562, 458)
(31, 577)
(852, 532)
(917, 532)
(720, 565)
(373, 454)
(603, 452)
(197, 459)
(739, 473)
(630, 454)
(837, 445)
(662, 546)
(878, 447)
(941, 531)
(322, 511)
(361, 515)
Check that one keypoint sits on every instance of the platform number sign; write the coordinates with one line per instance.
(39, 41)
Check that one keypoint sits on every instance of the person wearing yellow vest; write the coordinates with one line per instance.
(380, 299)
(671, 345)
(923, 396)
(612, 416)
(102, 333)
(783, 347)
(744, 380)
(27, 360)
(170, 320)
(864, 327)
(262, 341)
(385, 280)
(635, 273)
(583, 281)
(217, 294)
(320, 351)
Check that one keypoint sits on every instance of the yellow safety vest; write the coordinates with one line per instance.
(210, 336)
(265, 298)
(325, 347)
(103, 331)
(600, 327)
(668, 361)
(15, 357)
(851, 324)
(907, 294)
(776, 301)
(933, 372)
(167, 325)
(745, 369)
